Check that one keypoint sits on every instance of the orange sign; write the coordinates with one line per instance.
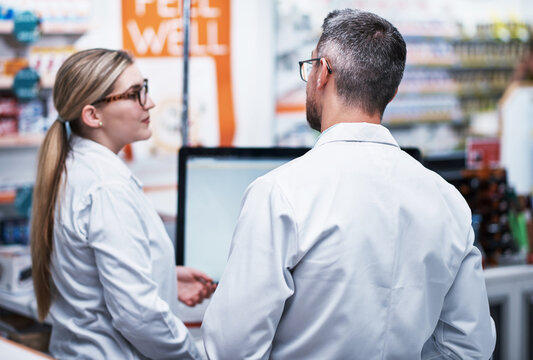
(155, 28)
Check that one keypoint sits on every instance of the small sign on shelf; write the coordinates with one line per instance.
(27, 27)
(26, 84)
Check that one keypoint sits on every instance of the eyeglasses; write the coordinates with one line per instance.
(141, 94)
(307, 65)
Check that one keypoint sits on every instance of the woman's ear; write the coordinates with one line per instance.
(91, 117)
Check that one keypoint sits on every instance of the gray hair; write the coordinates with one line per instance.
(367, 55)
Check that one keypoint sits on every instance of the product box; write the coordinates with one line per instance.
(15, 268)
(15, 231)
(8, 126)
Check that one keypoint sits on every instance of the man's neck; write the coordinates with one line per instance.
(335, 112)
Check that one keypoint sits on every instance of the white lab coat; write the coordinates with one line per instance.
(113, 267)
(353, 251)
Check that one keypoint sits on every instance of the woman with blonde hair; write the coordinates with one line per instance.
(103, 264)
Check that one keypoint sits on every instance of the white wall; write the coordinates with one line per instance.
(253, 41)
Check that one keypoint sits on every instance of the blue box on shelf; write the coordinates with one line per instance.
(14, 231)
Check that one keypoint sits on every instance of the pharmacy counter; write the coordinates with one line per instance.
(510, 290)
(23, 303)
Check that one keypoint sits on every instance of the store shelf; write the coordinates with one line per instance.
(6, 82)
(458, 39)
(17, 140)
(461, 66)
(417, 93)
(7, 196)
(427, 38)
(51, 28)
(403, 123)
(415, 65)
(483, 66)
(65, 28)
(480, 94)
(462, 94)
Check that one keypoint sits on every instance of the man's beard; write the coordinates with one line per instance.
(314, 117)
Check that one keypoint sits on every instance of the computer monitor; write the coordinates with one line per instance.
(212, 182)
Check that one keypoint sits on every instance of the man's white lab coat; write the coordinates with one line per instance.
(353, 251)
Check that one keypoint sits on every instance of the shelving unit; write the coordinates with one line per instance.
(449, 80)
(45, 59)
(23, 123)
(454, 76)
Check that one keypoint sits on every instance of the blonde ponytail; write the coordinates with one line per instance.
(50, 169)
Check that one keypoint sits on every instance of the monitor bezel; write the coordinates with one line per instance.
(245, 152)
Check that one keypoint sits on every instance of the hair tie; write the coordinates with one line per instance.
(68, 129)
(66, 123)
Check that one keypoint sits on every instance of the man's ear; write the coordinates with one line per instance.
(323, 74)
(91, 117)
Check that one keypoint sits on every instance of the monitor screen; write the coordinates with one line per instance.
(212, 182)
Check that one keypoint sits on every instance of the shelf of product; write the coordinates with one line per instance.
(427, 120)
(67, 28)
(9, 66)
(449, 77)
(22, 124)
(50, 28)
(501, 219)
(423, 108)
(451, 81)
(6, 82)
(468, 55)
(56, 17)
(456, 68)
(7, 196)
(45, 60)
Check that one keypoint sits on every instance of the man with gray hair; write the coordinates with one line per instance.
(354, 250)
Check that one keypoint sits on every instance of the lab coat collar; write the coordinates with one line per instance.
(85, 146)
(357, 132)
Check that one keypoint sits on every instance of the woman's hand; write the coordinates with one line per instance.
(193, 285)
